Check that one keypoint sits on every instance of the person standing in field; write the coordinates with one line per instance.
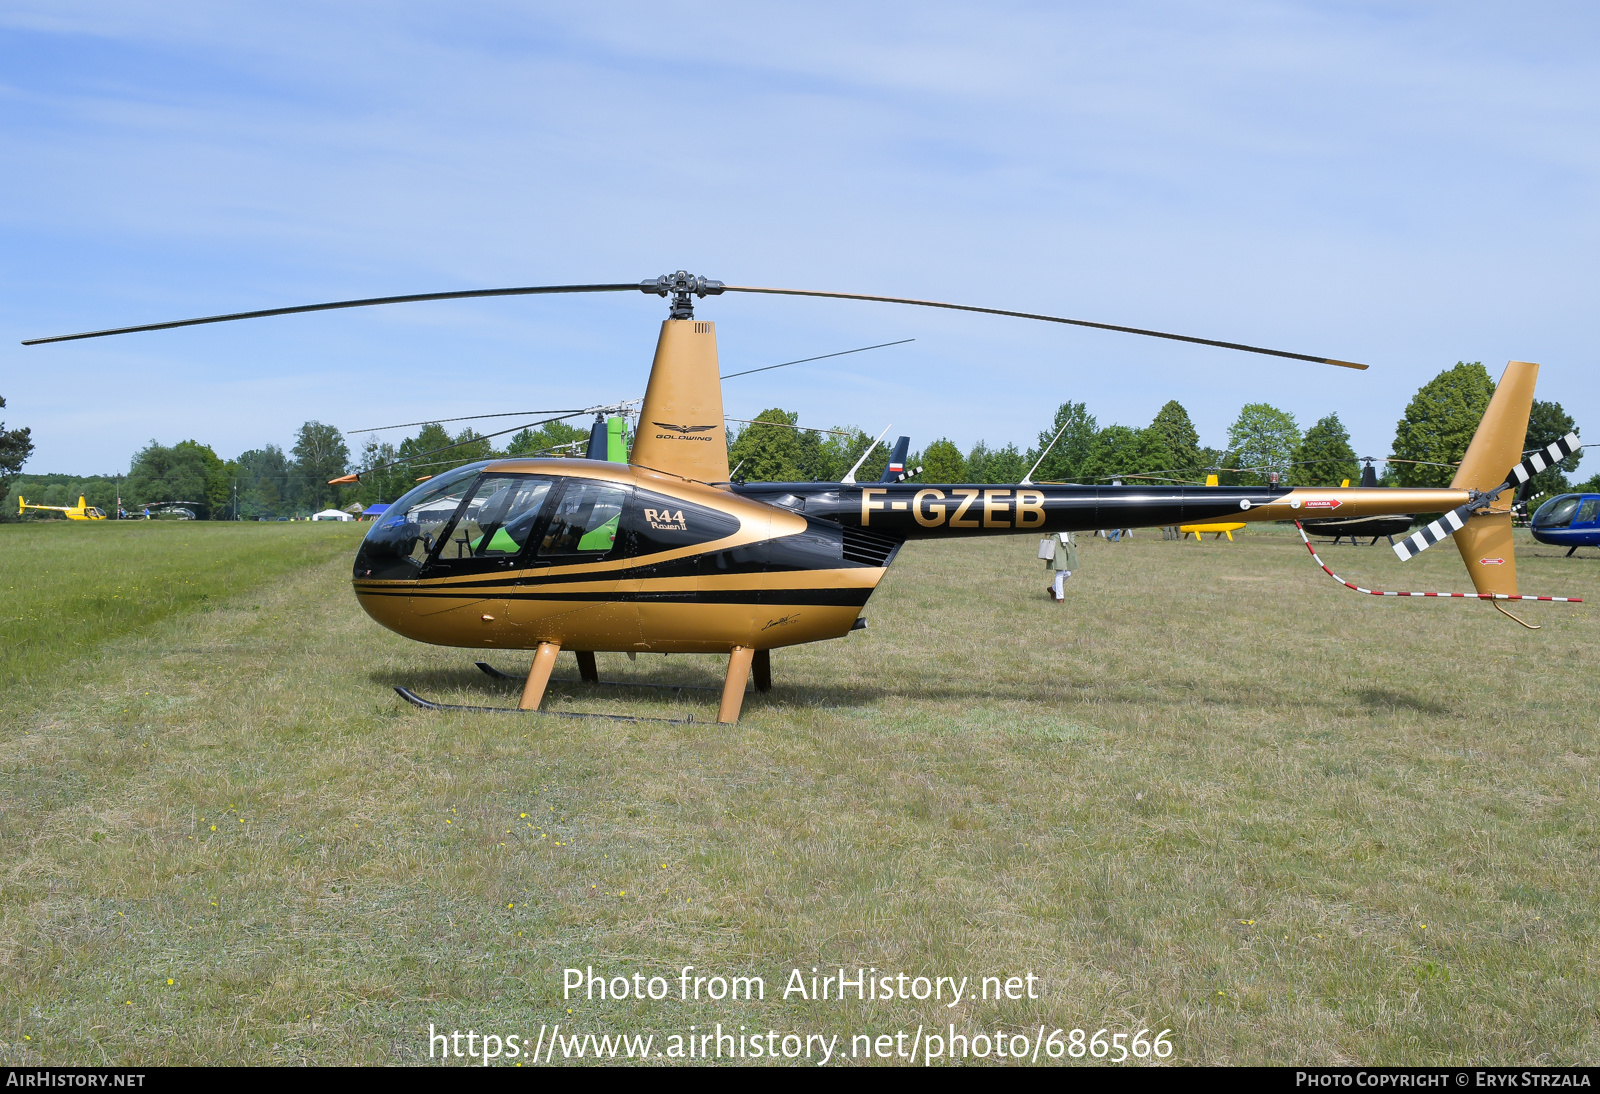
(1060, 553)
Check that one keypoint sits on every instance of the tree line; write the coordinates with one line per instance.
(1263, 440)
(270, 482)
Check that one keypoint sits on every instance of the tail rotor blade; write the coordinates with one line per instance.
(1548, 456)
(1447, 525)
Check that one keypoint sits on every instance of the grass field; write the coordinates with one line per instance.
(67, 586)
(1216, 794)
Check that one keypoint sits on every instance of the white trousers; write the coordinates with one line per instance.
(1060, 587)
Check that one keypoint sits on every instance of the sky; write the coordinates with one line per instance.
(1404, 185)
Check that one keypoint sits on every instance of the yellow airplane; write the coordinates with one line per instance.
(81, 511)
(1220, 529)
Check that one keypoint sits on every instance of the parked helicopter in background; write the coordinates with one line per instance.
(82, 511)
(1570, 521)
(1382, 527)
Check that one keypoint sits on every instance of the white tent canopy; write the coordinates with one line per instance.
(332, 514)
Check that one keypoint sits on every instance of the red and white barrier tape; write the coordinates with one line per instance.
(1463, 596)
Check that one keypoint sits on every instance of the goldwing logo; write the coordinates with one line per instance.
(663, 520)
(681, 432)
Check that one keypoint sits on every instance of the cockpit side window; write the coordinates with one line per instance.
(585, 521)
(410, 528)
(497, 519)
(1556, 513)
(1587, 511)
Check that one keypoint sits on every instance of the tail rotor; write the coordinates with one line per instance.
(1455, 520)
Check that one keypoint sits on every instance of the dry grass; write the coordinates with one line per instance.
(1215, 793)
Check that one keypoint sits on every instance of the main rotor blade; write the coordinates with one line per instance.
(1048, 319)
(463, 294)
(823, 357)
(467, 418)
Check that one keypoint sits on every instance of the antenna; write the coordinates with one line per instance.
(1027, 480)
(850, 477)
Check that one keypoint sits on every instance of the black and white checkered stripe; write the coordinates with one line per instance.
(1453, 521)
(1548, 456)
(1447, 525)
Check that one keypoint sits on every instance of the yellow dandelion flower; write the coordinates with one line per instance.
(213, 828)
(447, 820)
(169, 981)
(524, 816)
(510, 905)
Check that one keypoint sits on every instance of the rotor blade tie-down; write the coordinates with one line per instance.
(1457, 596)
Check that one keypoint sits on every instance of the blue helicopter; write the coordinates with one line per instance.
(1571, 521)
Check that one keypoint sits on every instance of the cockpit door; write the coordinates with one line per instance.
(565, 590)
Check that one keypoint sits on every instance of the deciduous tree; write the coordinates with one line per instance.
(263, 482)
(542, 441)
(1439, 423)
(768, 453)
(942, 462)
(1547, 423)
(1123, 450)
(320, 454)
(1065, 462)
(1173, 426)
(1324, 456)
(985, 464)
(187, 472)
(1262, 440)
(16, 445)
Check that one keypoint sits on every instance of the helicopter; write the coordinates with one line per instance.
(82, 511)
(1570, 521)
(667, 553)
(1385, 527)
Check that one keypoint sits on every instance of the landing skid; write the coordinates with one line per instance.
(427, 704)
(495, 674)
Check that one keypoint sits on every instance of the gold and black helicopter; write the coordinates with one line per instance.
(665, 554)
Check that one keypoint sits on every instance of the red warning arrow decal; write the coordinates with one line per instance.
(1491, 562)
(1323, 503)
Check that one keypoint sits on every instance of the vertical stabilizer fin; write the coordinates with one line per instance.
(896, 470)
(1485, 543)
(681, 429)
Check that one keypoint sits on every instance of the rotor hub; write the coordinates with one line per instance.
(681, 286)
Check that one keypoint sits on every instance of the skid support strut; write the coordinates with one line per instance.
(587, 669)
(539, 675)
(761, 667)
(733, 686)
